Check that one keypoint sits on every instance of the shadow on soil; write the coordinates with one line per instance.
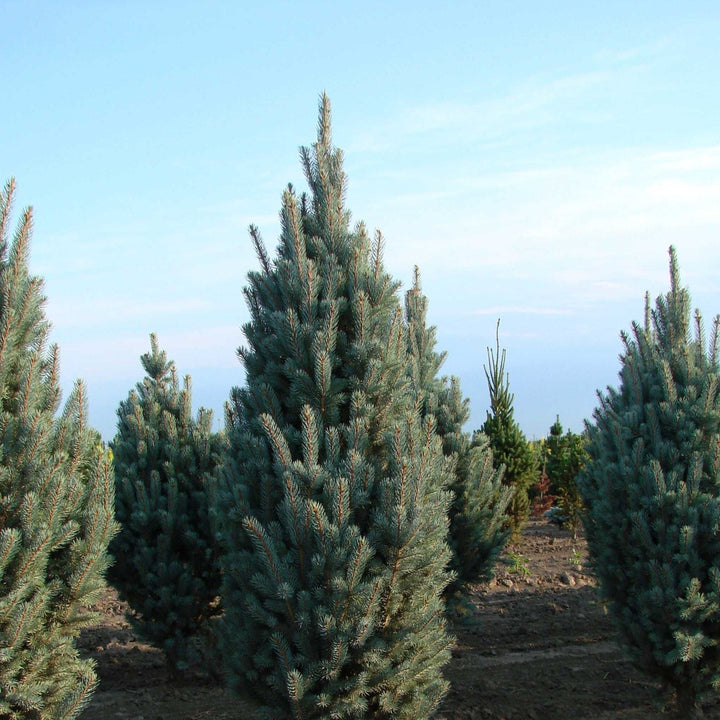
(534, 644)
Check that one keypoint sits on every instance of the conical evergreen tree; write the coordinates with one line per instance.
(167, 564)
(333, 500)
(511, 449)
(478, 520)
(56, 504)
(652, 492)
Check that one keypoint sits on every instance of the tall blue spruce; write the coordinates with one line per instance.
(333, 495)
(167, 564)
(478, 519)
(56, 504)
(652, 492)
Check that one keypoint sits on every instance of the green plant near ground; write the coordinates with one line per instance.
(333, 498)
(576, 558)
(56, 504)
(518, 564)
(652, 495)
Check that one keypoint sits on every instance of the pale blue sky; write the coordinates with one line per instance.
(535, 159)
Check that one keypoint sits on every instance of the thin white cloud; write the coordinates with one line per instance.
(644, 53)
(113, 357)
(520, 310)
(693, 159)
(608, 215)
(105, 311)
(534, 103)
(204, 347)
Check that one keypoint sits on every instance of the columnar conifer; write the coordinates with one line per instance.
(478, 520)
(652, 491)
(56, 504)
(167, 563)
(510, 447)
(333, 499)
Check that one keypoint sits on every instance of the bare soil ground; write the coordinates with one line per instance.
(535, 644)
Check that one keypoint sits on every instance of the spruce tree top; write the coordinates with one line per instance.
(325, 297)
(501, 399)
(424, 361)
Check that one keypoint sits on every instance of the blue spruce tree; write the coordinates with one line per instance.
(56, 504)
(478, 519)
(333, 500)
(652, 492)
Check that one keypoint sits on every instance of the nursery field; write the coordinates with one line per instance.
(536, 645)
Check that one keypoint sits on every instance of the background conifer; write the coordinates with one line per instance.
(652, 491)
(333, 500)
(167, 565)
(478, 520)
(565, 456)
(511, 449)
(56, 504)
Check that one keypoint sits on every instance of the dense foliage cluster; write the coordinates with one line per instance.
(56, 504)
(166, 558)
(651, 488)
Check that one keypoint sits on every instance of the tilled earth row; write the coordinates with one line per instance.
(533, 644)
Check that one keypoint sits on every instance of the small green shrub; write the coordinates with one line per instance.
(518, 564)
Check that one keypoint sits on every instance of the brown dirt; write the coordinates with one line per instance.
(534, 644)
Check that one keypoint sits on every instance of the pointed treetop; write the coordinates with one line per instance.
(323, 167)
(155, 362)
(714, 339)
(6, 202)
(22, 300)
(501, 399)
(557, 429)
(674, 270)
(415, 301)
(324, 131)
(20, 247)
(670, 318)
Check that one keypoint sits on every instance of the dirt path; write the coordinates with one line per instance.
(537, 645)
